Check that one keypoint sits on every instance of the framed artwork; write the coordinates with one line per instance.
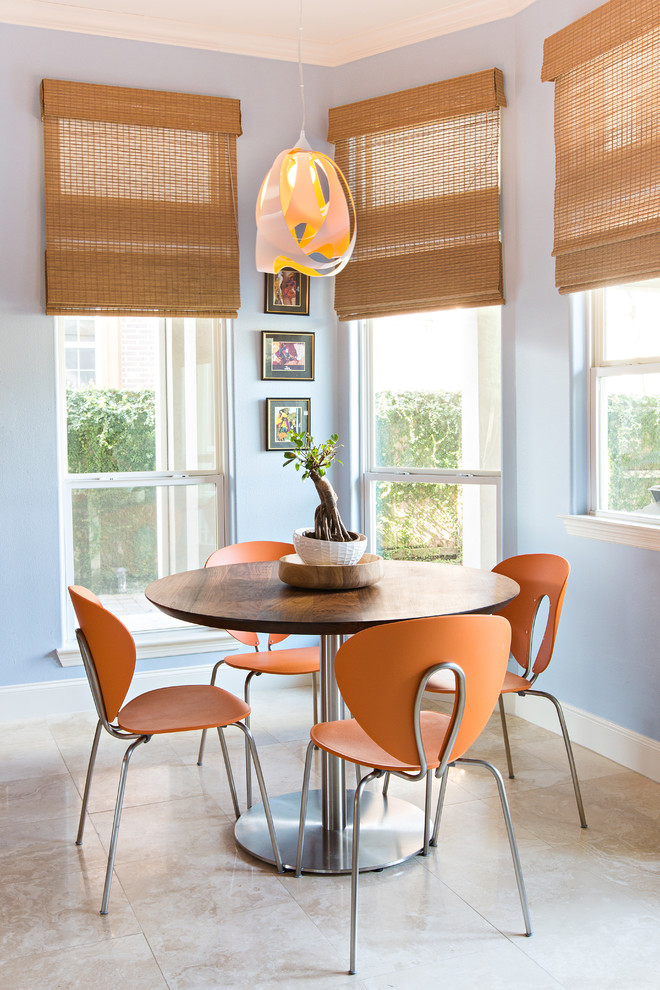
(287, 356)
(284, 417)
(287, 292)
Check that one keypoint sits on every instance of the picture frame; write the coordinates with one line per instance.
(287, 292)
(287, 356)
(283, 417)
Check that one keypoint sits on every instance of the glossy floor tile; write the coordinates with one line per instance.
(190, 911)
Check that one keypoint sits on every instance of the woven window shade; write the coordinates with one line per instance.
(140, 201)
(423, 166)
(606, 69)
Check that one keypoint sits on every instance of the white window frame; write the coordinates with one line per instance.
(79, 346)
(371, 474)
(599, 524)
(174, 638)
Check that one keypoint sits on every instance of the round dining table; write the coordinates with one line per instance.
(252, 597)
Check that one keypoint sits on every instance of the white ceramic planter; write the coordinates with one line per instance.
(313, 551)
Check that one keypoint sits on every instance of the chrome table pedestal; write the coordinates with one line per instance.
(391, 830)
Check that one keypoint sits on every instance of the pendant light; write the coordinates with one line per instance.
(305, 211)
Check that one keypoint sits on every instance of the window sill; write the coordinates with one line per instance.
(164, 643)
(633, 534)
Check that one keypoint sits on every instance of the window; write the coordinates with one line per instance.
(623, 504)
(625, 401)
(142, 481)
(433, 436)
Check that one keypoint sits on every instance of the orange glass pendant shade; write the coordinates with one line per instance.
(305, 214)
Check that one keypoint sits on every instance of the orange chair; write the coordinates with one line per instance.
(296, 660)
(382, 674)
(541, 576)
(108, 653)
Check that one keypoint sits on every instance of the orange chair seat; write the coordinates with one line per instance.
(349, 741)
(298, 660)
(514, 682)
(443, 683)
(181, 708)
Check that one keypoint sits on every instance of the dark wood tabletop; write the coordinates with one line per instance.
(251, 597)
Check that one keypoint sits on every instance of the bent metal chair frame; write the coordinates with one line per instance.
(359, 666)
(296, 660)
(136, 739)
(541, 577)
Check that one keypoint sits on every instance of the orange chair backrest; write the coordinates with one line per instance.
(379, 671)
(246, 553)
(540, 575)
(111, 645)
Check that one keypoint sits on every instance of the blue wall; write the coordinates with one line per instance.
(267, 501)
(605, 661)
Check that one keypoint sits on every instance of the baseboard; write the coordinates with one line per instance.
(40, 700)
(630, 749)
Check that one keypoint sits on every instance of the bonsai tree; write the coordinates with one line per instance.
(314, 460)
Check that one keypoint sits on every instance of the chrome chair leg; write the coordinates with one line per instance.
(386, 784)
(427, 811)
(264, 794)
(505, 736)
(88, 782)
(355, 863)
(117, 819)
(202, 742)
(303, 807)
(315, 694)
(569, 751)
(248, 768)
(512, 838)
(230, 772)
(441, 803)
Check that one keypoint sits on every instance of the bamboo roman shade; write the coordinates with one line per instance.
(140, 201)
(606, 69)
(423, 167)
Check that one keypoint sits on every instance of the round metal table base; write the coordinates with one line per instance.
(391, 831)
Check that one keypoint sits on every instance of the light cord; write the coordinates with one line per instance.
(300, 70)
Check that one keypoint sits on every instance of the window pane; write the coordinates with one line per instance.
(429, 522)
(86, 329)
(437, 390)
(192, 444)
(86, 355)
(109, 429)
(150, 403)
(629, 479)
(70, 330)
(632, 329)
(124, 538)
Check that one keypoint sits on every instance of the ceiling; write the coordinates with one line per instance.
(335, 31)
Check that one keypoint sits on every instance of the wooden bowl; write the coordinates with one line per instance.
(331, 577)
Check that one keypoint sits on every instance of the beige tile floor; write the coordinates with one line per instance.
(189, 911)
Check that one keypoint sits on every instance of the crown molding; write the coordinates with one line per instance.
(137, 27)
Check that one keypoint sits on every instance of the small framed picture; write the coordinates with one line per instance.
(287, 356)
(287, 292)
(284, 417)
